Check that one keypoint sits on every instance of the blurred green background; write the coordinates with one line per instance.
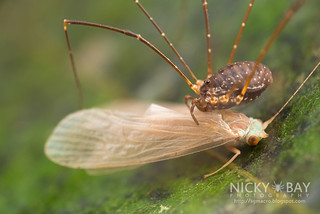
(37, 90)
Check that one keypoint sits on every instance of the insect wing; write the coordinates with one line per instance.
(102, 138)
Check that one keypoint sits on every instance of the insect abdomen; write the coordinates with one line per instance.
(234, 77)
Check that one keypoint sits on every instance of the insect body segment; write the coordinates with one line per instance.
(254, 132)
(102, 138)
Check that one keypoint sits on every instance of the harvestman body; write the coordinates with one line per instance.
(96, 139)
(237, 83)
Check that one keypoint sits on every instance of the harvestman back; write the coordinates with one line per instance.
(91, 139)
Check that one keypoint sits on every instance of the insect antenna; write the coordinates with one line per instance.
(266, 123)
(208, 35)
(166, 39)
(288, 15)
(243, 24)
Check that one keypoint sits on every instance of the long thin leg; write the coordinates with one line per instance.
(236, 154)
(243, 24)
(125, 32)
(74, 69)
(208, 35)
(234, 87)
(288, 15)
(166, 39)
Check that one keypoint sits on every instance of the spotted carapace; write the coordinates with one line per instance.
(223, 89)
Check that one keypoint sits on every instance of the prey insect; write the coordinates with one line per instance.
(101, 140)
(104, 140)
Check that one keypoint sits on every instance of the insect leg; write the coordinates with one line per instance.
(236, 154)
(243, 24)
(127, 33)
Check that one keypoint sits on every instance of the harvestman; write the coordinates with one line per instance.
(100, 139)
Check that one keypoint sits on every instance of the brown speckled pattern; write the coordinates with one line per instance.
(225, 79)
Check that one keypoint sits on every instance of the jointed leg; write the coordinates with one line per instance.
(166, 39)
(74, 70)
(193, 105)
(236, 154)
(208, 35)
(287, 16)
(187, 98)
(243, 24)
(125, 32)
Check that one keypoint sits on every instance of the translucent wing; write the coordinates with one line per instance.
(101, 138)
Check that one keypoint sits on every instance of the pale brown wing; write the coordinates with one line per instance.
(101, 138)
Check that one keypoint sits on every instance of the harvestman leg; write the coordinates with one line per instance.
(235, 46)
(288, 15)
(236, 154)
(243, 24)
(187, 98)
(194, 87)
(208, 36)
(166, 39)
(265, 124)
(193, 105)
(199, 82)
